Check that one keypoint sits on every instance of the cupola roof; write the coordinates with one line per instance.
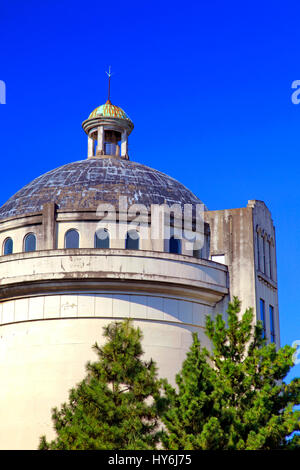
(109, 110)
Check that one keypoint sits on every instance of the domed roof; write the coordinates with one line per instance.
(109, 110)
(87, 183)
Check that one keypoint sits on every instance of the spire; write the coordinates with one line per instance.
(109, 74)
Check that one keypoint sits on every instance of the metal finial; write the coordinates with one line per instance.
(109, 74)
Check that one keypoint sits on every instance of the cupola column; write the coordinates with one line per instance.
(124, 143)
(90, 147)
(100, 145)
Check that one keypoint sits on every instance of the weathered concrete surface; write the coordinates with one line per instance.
(238, 235)
(53, 309)
(42, 360)
(158, 271)
(87, 183)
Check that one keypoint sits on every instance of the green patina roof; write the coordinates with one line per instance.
(109, 110)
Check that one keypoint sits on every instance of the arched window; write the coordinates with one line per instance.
(197, 253)
(258, 249)
(174, 245)
(102, 238)
(72, 239)
(264, 255)
(270, 259)
(132, 240)
(8, 246)
(263, 316)
(30, 242)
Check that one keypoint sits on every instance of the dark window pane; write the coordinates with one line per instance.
(272, 325)
(270, 260)
(198, 252)
(8, 246)
(30, 242)
(132, 240)
(258, 252)
(102, 239)
(262, 316)
(264, 255)
(175, 245)
(72, 239)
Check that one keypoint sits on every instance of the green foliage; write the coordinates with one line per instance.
(233, 397)
(117, 405)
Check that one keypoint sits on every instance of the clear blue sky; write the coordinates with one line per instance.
(207, 86)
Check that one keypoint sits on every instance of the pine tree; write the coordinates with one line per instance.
(233, 397)
(117, 405)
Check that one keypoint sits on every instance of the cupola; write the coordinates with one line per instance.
(108, 128)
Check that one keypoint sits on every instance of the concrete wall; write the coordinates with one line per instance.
(50, 227)
(54, 304)
(41, 359)
(232, 240)
(235, 235)
(265, 269)
(26, 270)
